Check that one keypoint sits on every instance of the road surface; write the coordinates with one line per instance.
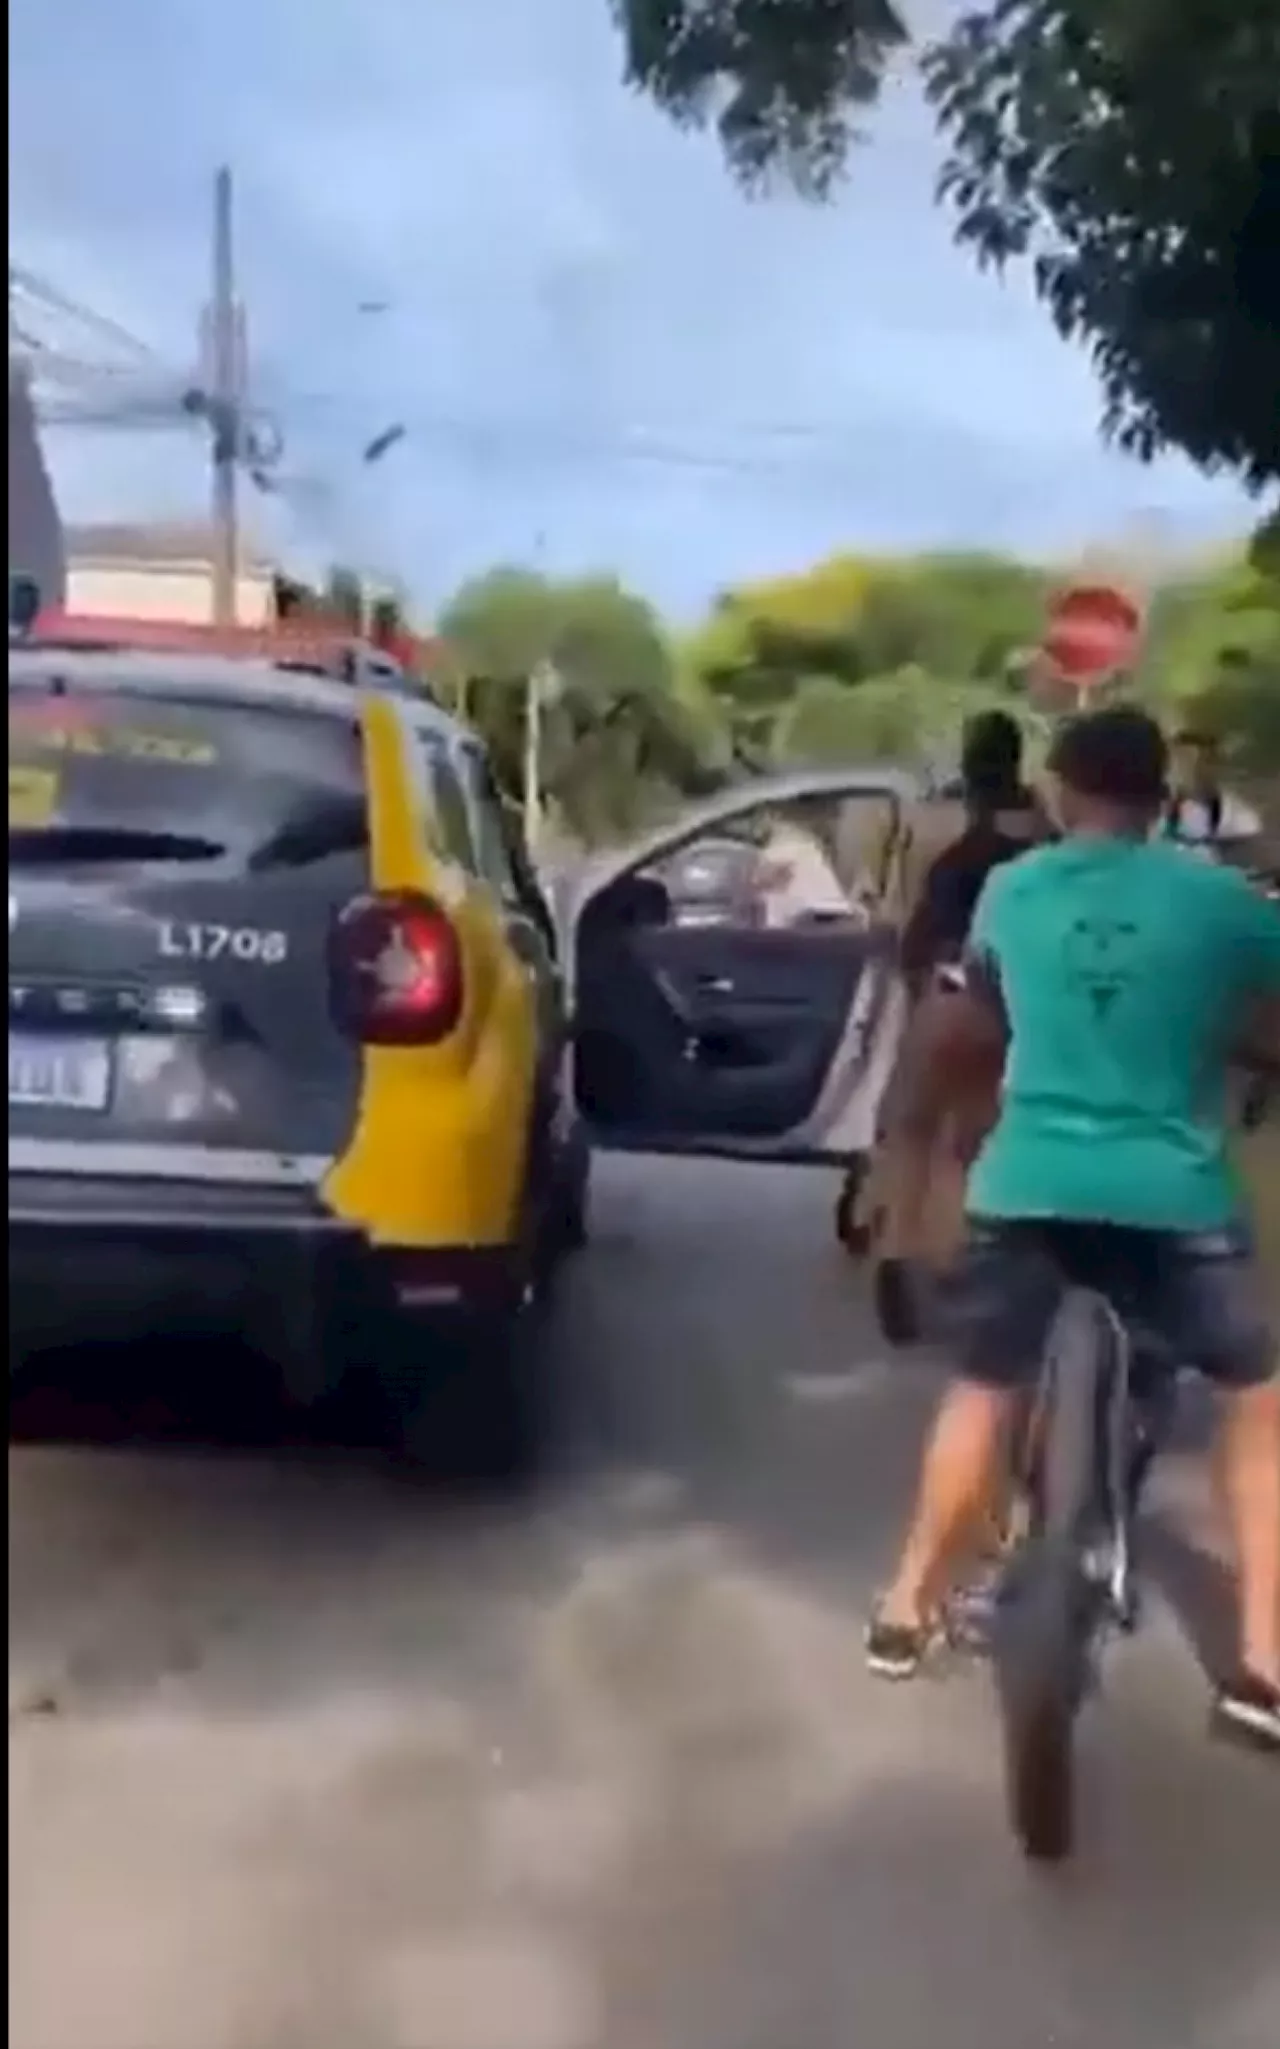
(304, 1759)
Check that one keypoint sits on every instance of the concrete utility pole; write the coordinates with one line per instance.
(539, 690)
(225, 393)
(536, 692)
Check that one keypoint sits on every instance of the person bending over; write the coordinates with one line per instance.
(1116, 976)
(924, 1155)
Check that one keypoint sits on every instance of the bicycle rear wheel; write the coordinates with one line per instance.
(1049, 1609)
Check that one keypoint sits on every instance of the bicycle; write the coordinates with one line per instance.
(1102, 1410)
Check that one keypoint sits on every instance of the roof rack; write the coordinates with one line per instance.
(311, 647)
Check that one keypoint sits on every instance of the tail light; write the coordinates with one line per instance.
(395, 970)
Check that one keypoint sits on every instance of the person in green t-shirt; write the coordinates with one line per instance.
(1118, 976)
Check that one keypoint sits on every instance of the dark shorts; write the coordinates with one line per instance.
(1197, 1293)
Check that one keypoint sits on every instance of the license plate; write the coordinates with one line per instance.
(58, 1073)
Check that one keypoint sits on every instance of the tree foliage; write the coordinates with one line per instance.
(783, 80)
(858, 659)
(617, 740)
(864, 654)
(1132, 152)
(1236, 694)
(1128, 149)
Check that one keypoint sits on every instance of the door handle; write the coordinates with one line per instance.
(715, 985)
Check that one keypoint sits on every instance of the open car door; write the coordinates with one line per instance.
(767, 1036)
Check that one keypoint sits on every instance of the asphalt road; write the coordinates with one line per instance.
(302, 1758)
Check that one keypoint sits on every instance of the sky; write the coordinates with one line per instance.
(605, 357)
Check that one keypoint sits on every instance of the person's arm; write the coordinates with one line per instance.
(951, 1063)
(987, 1021)
(986, 1025)
(1258, 943)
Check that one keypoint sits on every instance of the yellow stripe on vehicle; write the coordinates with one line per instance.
(33, 797)
(438, 1150)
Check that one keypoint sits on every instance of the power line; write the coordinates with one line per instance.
(28, 285)
(349, 405)
(779, 448)
(494, 441)
(79, 390)
(76, 385)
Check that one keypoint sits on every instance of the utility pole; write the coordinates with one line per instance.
(538, 690)
(535, 693)
(225, 395)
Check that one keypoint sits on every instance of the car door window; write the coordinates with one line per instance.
(493, 841)
(503, 862)
(449, 814)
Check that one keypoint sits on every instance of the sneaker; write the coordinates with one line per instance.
(896, 1650)
(1247, 1708)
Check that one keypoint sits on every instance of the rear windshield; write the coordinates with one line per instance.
(234, 775)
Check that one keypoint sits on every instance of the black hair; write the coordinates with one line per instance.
(1118, 756)
(991, 760)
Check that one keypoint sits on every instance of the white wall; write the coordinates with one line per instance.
(181, 592)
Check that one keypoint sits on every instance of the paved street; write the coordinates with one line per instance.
(302, 1759)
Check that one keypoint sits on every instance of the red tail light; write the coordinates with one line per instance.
(396, 970)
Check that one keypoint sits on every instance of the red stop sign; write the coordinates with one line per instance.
(1093, 630)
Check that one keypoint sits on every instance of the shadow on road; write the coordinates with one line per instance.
(717, 1382)
(1200, 1591)
(196, 1394)
(633, 1710)
(905, 1921)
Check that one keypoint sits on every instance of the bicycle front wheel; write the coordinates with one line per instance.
(1049, 1608)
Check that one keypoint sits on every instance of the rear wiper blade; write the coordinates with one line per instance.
(30, 846)
(333, 824)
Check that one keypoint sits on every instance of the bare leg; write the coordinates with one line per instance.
(962, 1466)
(1249, 1453)
(914, 1115)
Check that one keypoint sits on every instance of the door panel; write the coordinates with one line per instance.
(726, 969)
(766, 1012)
(767, 1043)
(729, 1034)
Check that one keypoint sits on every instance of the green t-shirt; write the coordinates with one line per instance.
(1125, 969)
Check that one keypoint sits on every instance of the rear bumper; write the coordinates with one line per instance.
(112, 1206)
(120, 1257)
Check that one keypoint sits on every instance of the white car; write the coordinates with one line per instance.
(763, 1042)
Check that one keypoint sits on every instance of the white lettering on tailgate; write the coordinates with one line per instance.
(246, 943)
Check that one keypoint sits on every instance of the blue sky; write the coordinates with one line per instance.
(605, 356)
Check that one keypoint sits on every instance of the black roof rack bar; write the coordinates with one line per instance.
(363, 667)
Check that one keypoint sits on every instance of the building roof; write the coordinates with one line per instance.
(152, 541)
